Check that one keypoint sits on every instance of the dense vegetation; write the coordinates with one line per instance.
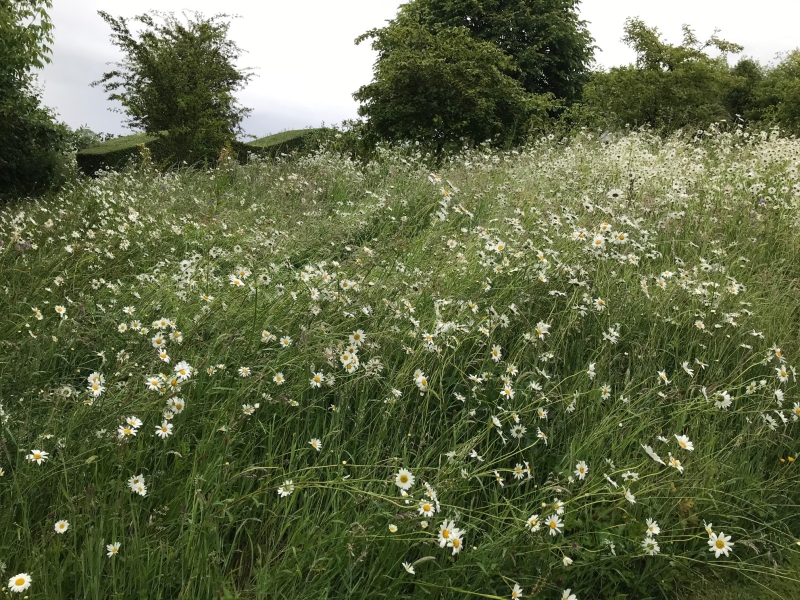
(677, 86)
(178, 82)
(565, 371)
(31, 152)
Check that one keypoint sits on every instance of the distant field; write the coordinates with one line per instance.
(567, 371)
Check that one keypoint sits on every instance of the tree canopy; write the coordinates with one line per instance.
(443, 87)
(474, 70)
(178, 82)
(548, 43)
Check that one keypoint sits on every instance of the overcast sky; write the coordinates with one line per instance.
(308, 66)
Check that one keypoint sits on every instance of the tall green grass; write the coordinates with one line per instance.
(435, 271)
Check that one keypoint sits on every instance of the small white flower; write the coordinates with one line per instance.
(286, 489)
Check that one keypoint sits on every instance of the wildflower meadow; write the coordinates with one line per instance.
(561, 372)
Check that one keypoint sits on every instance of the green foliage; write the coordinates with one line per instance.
(778, 96)
(31, 151)
(550, 46)
(26, 32)
(741, 99)
(286, 142)
(117, 153)
(669, 87)
(443, 87)
(177, 82)
(114, 153)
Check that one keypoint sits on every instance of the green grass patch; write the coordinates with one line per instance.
(288, 378)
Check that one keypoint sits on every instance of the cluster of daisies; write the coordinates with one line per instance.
(479, 319)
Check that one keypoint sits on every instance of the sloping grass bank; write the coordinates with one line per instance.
(563, 370)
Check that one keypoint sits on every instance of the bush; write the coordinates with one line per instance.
(32, 144)
(778, 96)
(32, 152)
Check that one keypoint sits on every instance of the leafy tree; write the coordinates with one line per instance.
(177, 82)
(778, 95)
(741, 99)
(549, 45)
(444, 87)
(31, 152)
(669, 87)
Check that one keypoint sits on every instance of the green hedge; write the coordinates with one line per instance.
(286, 142)
(116, 153)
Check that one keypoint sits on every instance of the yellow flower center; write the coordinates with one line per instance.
(552, 524)
(456, 543)
(445, 533)
(720, 544)
(403, 479)
(19, 581)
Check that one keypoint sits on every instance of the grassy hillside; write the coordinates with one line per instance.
(568, 368)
